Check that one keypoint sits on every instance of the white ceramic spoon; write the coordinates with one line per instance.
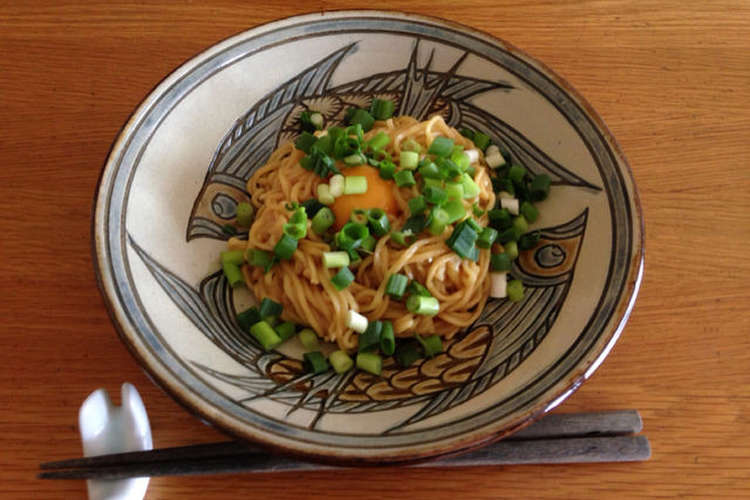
(106, 428)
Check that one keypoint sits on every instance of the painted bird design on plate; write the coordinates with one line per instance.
(504, 335)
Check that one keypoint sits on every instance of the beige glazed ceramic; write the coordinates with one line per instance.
(177, 171)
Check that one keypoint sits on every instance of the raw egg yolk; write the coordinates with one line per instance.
(379, 195)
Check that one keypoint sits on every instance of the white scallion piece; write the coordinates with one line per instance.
(324, 194)
(498, 285)
(336, 185)
(511, 204)
(505, 194)
(493, 157)
(473, 155)
(357, 322)
(317, 120)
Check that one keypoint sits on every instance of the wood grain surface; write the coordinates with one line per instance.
(672, 81)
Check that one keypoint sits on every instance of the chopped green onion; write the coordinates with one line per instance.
(245, 213)
(415, 224)
(336, 185)
(354, 160)
(355, 184)
(427, 306)
(369, 340)
(417, 288)
(345, 146)
(322, 220)
(248, 318)
(285, 330)
(510, 204)
(529, 240)
(387, 339)
(342, 279)
(417, 205)
(487, 237)
(356, 322)
(362, 117)
(305, 141)
(441, 146)
(478, 212)
(359, 216)
(368, 244)
(516, 173)
(370, 362)
(462, 240)
(260, 258)
(311, 121)
(315, 362)
(493, 157)
(233, 274)
(511, 249)
(455, 210)
(269, 307)
(312, 206)
(229, 229)
(402, 238)
(404, 178)
(265, 335)
(335, 259)
(434, 195)
(515, 290)
(520, 224)
(378, 222)
(432, 345)
(430, 171)
(396, 286)
(285, 247)
(296, 231)
(319, 163)
(481, 140)
(540, 187)
(454, 191)
(309, 339)
(471, 190)
(500, 218)
(409, 159)
(500, 262)
(508, 235)
(351, 235)
(356, 130)
(474, 225)
(435, 183)
(387, 169)
(448, 169)
(439, 220)
(411, 145)
(461, 159)
(380, 141)
(340, 361)
(235, 257)
(324, 194)
(529, 211)
(381, 109)
(407, 354)
(467, 132)
(472, 171)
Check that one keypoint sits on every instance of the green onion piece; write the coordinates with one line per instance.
(467, 132)
(233, 274)
(474, 225)
(285, 330)
(351, 236)
(248, 318)
(396, 286)
(381, 109)
(387, 339)
(335, 259)
(312, 207)
(265, 335)
(380, 141)
(323, 144)
(260, 258)
(417, 288)
(345, 146)
(402, 238)
(309, 339)
(359, 216)
(540, 187)
(474, 254)
(285, 247)
(245, 213)
(516, 173)
(409, 159)
(296, 231)
(515, 290)
(448, 169)
(368, 244)
(427, 306)
(520, 224)
(311, 121)
(439, 220)
(355, 130)
(387, 169)
(481, 140)
(271, 320)
(454, 191)
(322, 220)
(340, 361)
(269, 307)
(471, 190)
(305, 141)
(430, 171)
(434, 195)
(229, 229)
(411, 145)
(529, 211)
(370, 362)
(369, 340)
(378, 222)
(460, 158)
(472, 171)
(478, 212)
(415, 224)
(462, 240)
(500, 218)
(487, 237)
(435, 183)
(342, 279)
(235, 257)
(315, 362)
(511, 248)
(529, 240)
(508, 235)
(362, 117)
(355, 184)
(404, 178)
(417, 205)
(441, 146)
(354, 160)
(455, 210)
(407, 354)
(432, 345)
(500, 262)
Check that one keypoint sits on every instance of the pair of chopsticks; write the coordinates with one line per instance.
(555, 439)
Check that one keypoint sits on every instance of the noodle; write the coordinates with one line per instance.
(303, 285)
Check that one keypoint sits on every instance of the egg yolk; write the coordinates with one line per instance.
(379, 195)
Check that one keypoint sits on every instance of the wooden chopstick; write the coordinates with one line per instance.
(558, 438)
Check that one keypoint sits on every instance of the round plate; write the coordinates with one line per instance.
(178, 169)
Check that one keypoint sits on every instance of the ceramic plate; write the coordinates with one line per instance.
(178, 169)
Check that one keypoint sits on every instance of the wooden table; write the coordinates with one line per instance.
(670, 78)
